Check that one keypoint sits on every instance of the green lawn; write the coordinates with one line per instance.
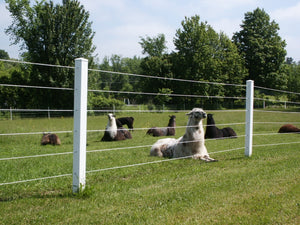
(262, 189)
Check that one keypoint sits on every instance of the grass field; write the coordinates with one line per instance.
(262, 189)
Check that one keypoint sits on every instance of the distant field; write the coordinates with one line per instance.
(262, 189)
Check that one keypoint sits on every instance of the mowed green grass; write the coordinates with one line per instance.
(262, 189)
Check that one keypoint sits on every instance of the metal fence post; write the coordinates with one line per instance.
(249, 117)
(80, 124)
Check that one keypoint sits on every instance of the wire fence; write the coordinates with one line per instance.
(143, 146)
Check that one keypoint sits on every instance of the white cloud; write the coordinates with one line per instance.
(120, 23)
(228, 26)
(291, 13)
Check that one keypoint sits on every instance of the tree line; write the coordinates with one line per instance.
(58, 33)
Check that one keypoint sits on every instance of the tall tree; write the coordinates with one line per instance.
(263, 49)
(155, 46)
(52, 34)
(204, 55)
(157, 63)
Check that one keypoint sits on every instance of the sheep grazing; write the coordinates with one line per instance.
(166, 131)
(214, 132)
(125, 120)
(190, 144)
(288, 128)
(114, 133)
(49, 138)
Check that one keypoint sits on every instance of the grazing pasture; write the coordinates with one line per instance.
(262, 189)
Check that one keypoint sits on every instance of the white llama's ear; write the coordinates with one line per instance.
(189, 113)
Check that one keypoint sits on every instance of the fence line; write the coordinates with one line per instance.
(36, 87)
(274, 144)
(101, 150)
(166, 78)
(173, 95)
(102, 130)
(37, 64)
(33, 133)
(279, 101)
(120, 92)
(147, 76)
(140, 146)
(137, 164)
(271, 89)
(144, 76)
(112, 168)
(273, 111)
(38, 110)
(122, 73)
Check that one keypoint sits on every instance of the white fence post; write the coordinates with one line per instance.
(10, 110)
(48, 113)
(249, 117)
(80, 124)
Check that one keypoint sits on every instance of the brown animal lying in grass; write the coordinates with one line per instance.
(288, 128)
(49, 138)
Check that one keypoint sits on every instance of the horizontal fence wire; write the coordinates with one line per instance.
(128, 74)
(167, 78)
(161, 94)
(112, 168)
(140, 146)
(122, 92)
(137, 164)
(38, 110)
(101, 150)
(278, 101)
(37, 64)
(102, 130)
(276, 90)
(147, 128)
(36, 87)
(270, 111)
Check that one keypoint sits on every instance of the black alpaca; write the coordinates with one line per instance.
(167, 131)
(125, 120)
(213, 132)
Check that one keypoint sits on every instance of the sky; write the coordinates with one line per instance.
(120, 24)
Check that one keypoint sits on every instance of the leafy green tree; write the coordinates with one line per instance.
(51, 34)
(113, 81)
(293, 84)
(163, 96)
(3, 54)
(204, 55)
(157, 63)
(155, 46)
(263, 49)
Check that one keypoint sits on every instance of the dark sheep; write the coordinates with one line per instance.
(288, 128)
(166, 131)
(49, 138)
(114, 133)
(125, 121)
(214, 132)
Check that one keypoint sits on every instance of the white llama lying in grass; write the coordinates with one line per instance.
(190, 144)
(114, 133)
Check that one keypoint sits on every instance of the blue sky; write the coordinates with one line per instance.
(119, 24)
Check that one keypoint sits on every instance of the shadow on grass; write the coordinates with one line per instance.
(55, 194)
